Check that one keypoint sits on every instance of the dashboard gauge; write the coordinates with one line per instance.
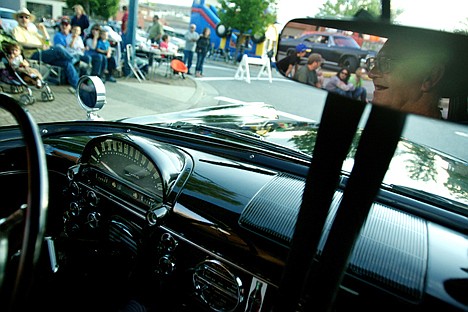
(138, 168)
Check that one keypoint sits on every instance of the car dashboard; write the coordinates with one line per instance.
(191, 225)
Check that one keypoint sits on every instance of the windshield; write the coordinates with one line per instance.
(162, 81)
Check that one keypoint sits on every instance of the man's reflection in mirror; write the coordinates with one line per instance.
(290, 64)
(407, 75)
(309, 73)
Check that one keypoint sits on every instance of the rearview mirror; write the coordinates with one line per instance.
(414, 70)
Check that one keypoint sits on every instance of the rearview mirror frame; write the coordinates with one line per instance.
(454, 89)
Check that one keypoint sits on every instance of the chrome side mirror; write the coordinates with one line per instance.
(91, 94)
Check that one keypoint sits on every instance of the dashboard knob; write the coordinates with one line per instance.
(168, 242)
(93, 219)
(166, 265)
(92, 199)
(74, 189)
(75, 209)
(156, 214)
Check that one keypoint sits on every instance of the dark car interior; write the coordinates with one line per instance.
(114, 216)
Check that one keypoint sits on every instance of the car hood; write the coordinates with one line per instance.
(429, 173)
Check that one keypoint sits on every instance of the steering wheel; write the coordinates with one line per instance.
(15, 279)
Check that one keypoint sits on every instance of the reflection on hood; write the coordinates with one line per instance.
(413, 165)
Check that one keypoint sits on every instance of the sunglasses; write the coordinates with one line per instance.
(24, 16)
(382, 64)
(347, 74)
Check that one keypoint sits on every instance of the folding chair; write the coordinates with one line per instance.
(51, 73)
(136, 64)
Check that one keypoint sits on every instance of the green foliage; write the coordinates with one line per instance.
(463, 28)
(348, 8)
(247, 16)
(99, 9)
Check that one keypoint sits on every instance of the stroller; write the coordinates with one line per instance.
(9, 76)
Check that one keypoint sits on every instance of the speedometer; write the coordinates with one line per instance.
(134, 167)
(123, 160)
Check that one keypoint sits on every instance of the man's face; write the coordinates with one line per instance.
(397, 77)
(65, 28)
(314, 65)
(23, 19)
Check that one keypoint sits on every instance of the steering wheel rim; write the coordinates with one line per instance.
(37, 204)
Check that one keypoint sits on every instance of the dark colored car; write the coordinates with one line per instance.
(336, 49)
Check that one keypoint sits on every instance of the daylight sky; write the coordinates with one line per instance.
(448, 13)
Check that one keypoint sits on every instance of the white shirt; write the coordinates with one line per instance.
(78, 45)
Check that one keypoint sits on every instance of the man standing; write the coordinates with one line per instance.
(191, 37)
(124, 19)
(36, 46)
(155, 31)
(308, 74)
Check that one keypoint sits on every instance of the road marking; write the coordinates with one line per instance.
(232, 78)
(463, 134)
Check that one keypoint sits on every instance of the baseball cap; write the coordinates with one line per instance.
(65, 21)
(302, 48)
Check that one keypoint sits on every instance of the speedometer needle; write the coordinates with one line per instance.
(108, 168)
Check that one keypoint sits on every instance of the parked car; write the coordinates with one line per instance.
(336, 49)
(242, 206)
(177, 38)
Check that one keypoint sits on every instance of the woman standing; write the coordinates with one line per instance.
(80, 18)
(203, 45)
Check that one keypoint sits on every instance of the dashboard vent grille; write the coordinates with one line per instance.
(391, 250)
(273, 211)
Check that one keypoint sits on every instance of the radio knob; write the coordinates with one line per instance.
(92, 198)
(166, 265)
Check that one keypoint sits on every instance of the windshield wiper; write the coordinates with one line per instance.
(237, 135)
(430, 198)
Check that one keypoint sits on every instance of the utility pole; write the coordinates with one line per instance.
(130, 36)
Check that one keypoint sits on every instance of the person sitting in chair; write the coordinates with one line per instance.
(37, 47)
(103, 47)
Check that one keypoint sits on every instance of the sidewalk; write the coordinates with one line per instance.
(158, 95)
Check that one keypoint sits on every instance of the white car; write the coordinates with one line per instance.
(8, 21)
(174, 37)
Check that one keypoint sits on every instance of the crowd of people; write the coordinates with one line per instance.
(195, 44)
(69, 49)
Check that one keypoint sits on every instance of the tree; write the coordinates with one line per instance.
(101, 9)
(247, 18)
(348, 8)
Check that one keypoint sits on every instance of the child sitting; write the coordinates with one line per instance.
(75, 46)
(103, 47)
(15, 58)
